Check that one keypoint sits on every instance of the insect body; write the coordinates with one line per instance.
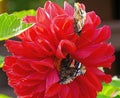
(79, 18)
(70, 69)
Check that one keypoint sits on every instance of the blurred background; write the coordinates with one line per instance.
(108, 10)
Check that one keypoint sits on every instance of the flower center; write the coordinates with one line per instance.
(70, 69)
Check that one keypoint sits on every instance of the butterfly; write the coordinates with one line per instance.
(70, 69)
(79, 17)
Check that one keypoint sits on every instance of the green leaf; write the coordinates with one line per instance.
(24, 13)
(11, 26)
(115, 83)
(1, 61)
(111, 90)
(102, 96)
(4, 96)
(118, 96)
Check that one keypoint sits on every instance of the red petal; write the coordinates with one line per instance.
(92, 77)
(53, 9)
(42, 17)
(92, 92)
(64, 91)
(83, 88)
(29, 35)
(43, 66)
(102, 75)
(92, 18)
(63, 25)
(103, 34)
(52, 78)
(74, 87)
(53, 90)
(86, 51)
(68, 9)
(65, 46)
(29, 19)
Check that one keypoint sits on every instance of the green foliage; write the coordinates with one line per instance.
(24, 13)
(60, 2)
(4, 96)
(1, 61)
(11, 26)
(111, 90)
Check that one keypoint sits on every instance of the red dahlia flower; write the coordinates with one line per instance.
(52, 61)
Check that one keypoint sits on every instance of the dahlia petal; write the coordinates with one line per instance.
(64, 26)
(99, 57)
(64, 29)
(47, 44)
(43, 66)
(53, 90)
(42, 17)
(21, 91)
(17, 48)
(28, 35)
(27, 83)
(52, 78)
(74, 87)
(86, 51)
(9, 61)
(104, 77)
(92, 77)
(64, 91)
(104, 34)
(42, 31)
(90, 88)
(87, 36)
(93, 19)
(13, 46)
(29, 19)
(65, 46)
(53, 9)
(96, 36)
(19, 70)
(44, 48)
(39, 49)
(36, 76)
(36, 95)
(100, 62)
(68, 8)
(83, 88)
(100, 51)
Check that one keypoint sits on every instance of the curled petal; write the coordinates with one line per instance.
(65, 46)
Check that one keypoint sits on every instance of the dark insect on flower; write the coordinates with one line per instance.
(70, 69)
(79, 18)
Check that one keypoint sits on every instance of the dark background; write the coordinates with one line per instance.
(108, 10)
